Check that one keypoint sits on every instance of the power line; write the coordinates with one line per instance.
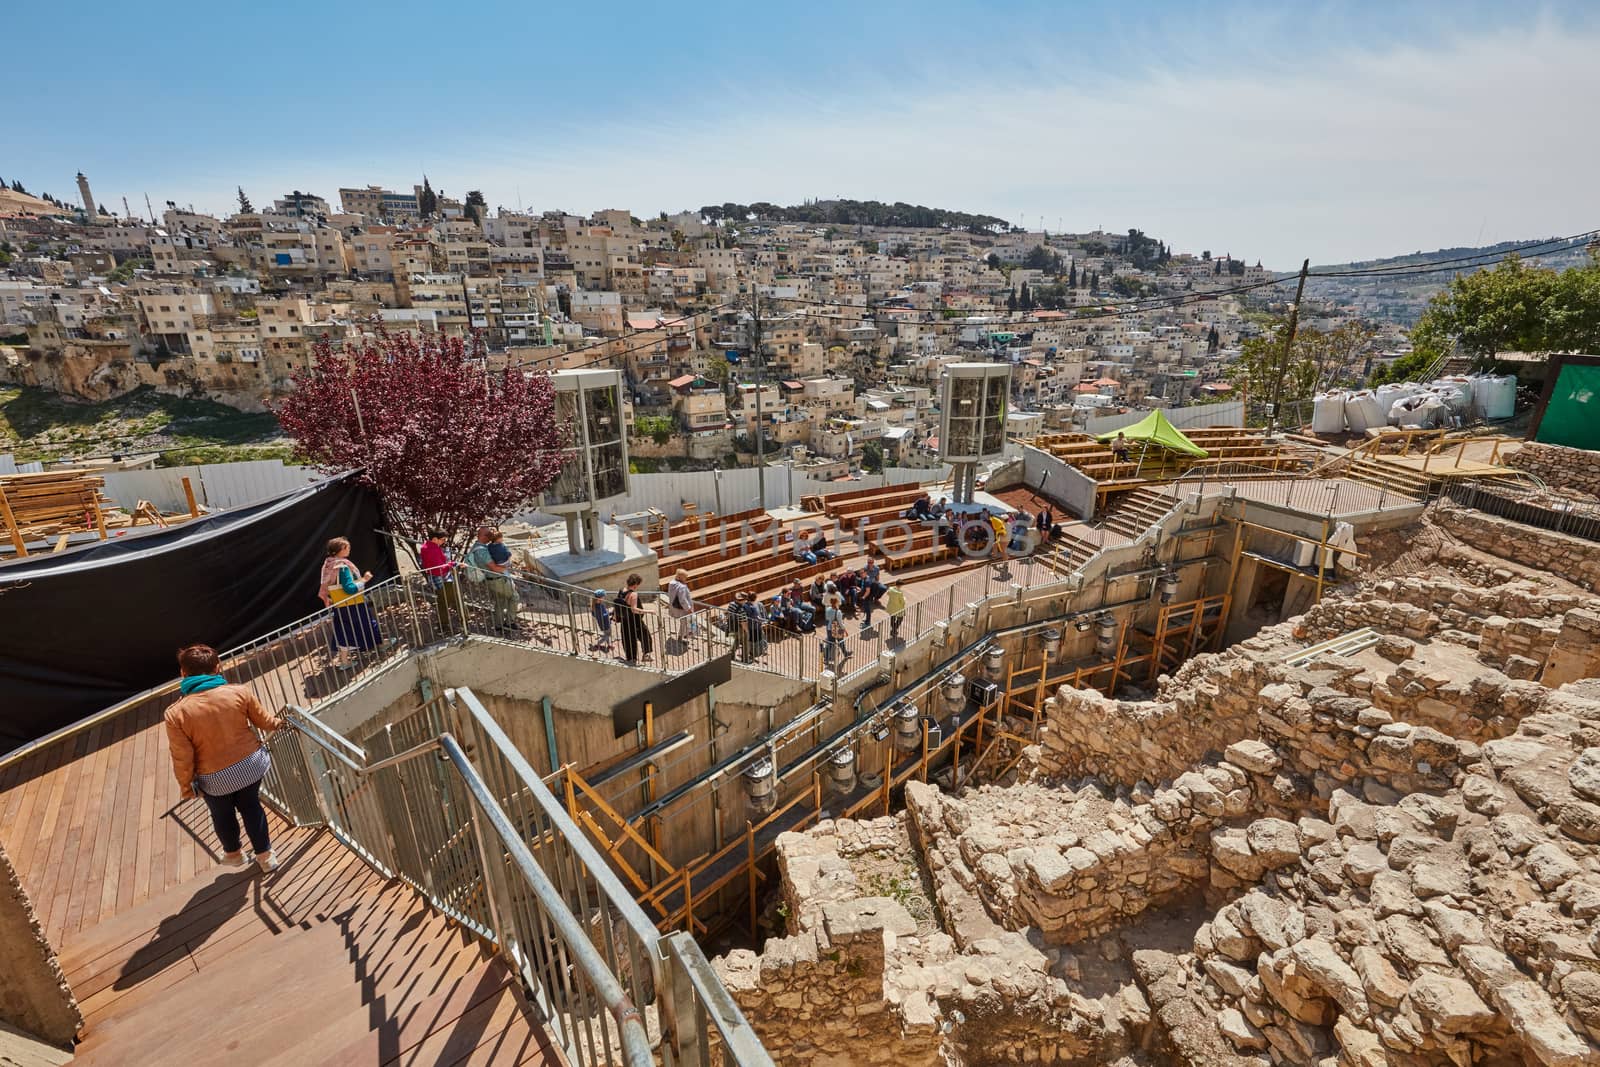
(612, 341)
(1429, 266)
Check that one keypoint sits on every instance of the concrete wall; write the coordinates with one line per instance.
(1058, 480)
(34, 996)
(737, 489)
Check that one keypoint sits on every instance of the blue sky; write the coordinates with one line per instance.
(1332, 131)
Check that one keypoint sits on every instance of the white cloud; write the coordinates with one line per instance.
(1354, 153)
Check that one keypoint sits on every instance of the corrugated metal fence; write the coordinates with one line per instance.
(216, 485)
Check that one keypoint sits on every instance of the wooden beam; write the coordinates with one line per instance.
(11, 525)
(188, 494)
(61, 542)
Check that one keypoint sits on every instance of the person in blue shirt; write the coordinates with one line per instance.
(602, 621)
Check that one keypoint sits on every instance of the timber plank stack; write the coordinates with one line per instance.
(54, 504)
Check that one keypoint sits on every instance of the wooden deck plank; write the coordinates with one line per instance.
(371, 973)
(27, 843)
(108, 862)
(139, 884)
(83, 776)
(132, 796)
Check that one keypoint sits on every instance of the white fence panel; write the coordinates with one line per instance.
(1228, 413)
(217, 486)
(163, 487)
(234, 485)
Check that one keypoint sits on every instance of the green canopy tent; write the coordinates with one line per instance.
(1154, 429)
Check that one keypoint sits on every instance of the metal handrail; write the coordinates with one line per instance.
(467, 841)
(630, 1024)
(599, 868)
(739, 1039)
(296, 719)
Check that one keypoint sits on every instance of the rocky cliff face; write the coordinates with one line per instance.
(97, 371)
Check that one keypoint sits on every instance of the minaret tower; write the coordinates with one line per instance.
(86, 197)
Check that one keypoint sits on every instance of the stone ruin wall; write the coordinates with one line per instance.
(1572, 558)
(34, 995)
(1390, 863)
(1558, 466)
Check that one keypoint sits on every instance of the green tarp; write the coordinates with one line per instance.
(1572, 416)
(1155, 429)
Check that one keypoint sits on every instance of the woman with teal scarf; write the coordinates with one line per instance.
(217, 755)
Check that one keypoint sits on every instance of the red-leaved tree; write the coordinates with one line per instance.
(448, 446)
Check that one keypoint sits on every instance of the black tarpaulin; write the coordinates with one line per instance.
(88, 628)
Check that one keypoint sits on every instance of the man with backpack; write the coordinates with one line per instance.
(489, 566)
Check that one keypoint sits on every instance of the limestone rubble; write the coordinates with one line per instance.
(1386, 858)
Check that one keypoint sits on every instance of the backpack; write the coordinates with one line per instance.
(478, 564)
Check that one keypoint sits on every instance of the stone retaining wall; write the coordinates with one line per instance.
(1572, 558)
(34, 995)
(1558, 466)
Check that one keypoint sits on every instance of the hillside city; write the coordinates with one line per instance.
(857, 306)
(841, 634)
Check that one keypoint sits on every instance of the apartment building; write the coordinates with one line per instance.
(376, 202)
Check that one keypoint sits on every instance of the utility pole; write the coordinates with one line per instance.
(1288, 348)
(755, 355)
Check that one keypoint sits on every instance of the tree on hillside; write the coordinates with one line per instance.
(1337, 354)
(1041, 258)
(476, 206)
(245, 207)
(427, 200)
(1255, 371)
(1072, 277)
(1512, 308)
(448, 446)
(872, 457)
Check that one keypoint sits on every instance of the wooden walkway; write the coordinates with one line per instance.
(322, 962)
(94, 826)
(175, 959)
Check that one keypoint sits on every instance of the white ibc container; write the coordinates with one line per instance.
(1361, 410)
(1327, 413)
(1390, 394)
(1494, 396)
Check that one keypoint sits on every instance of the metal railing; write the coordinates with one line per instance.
(443, 801)
(1529, 506)
(301, 663)
(780, 647)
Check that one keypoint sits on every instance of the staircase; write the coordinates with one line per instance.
(323, 962)
(1394, 478)
(1137, 511)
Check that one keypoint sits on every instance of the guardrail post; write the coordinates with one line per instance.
(411, 610)
(494, 891)
(680, 1018)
